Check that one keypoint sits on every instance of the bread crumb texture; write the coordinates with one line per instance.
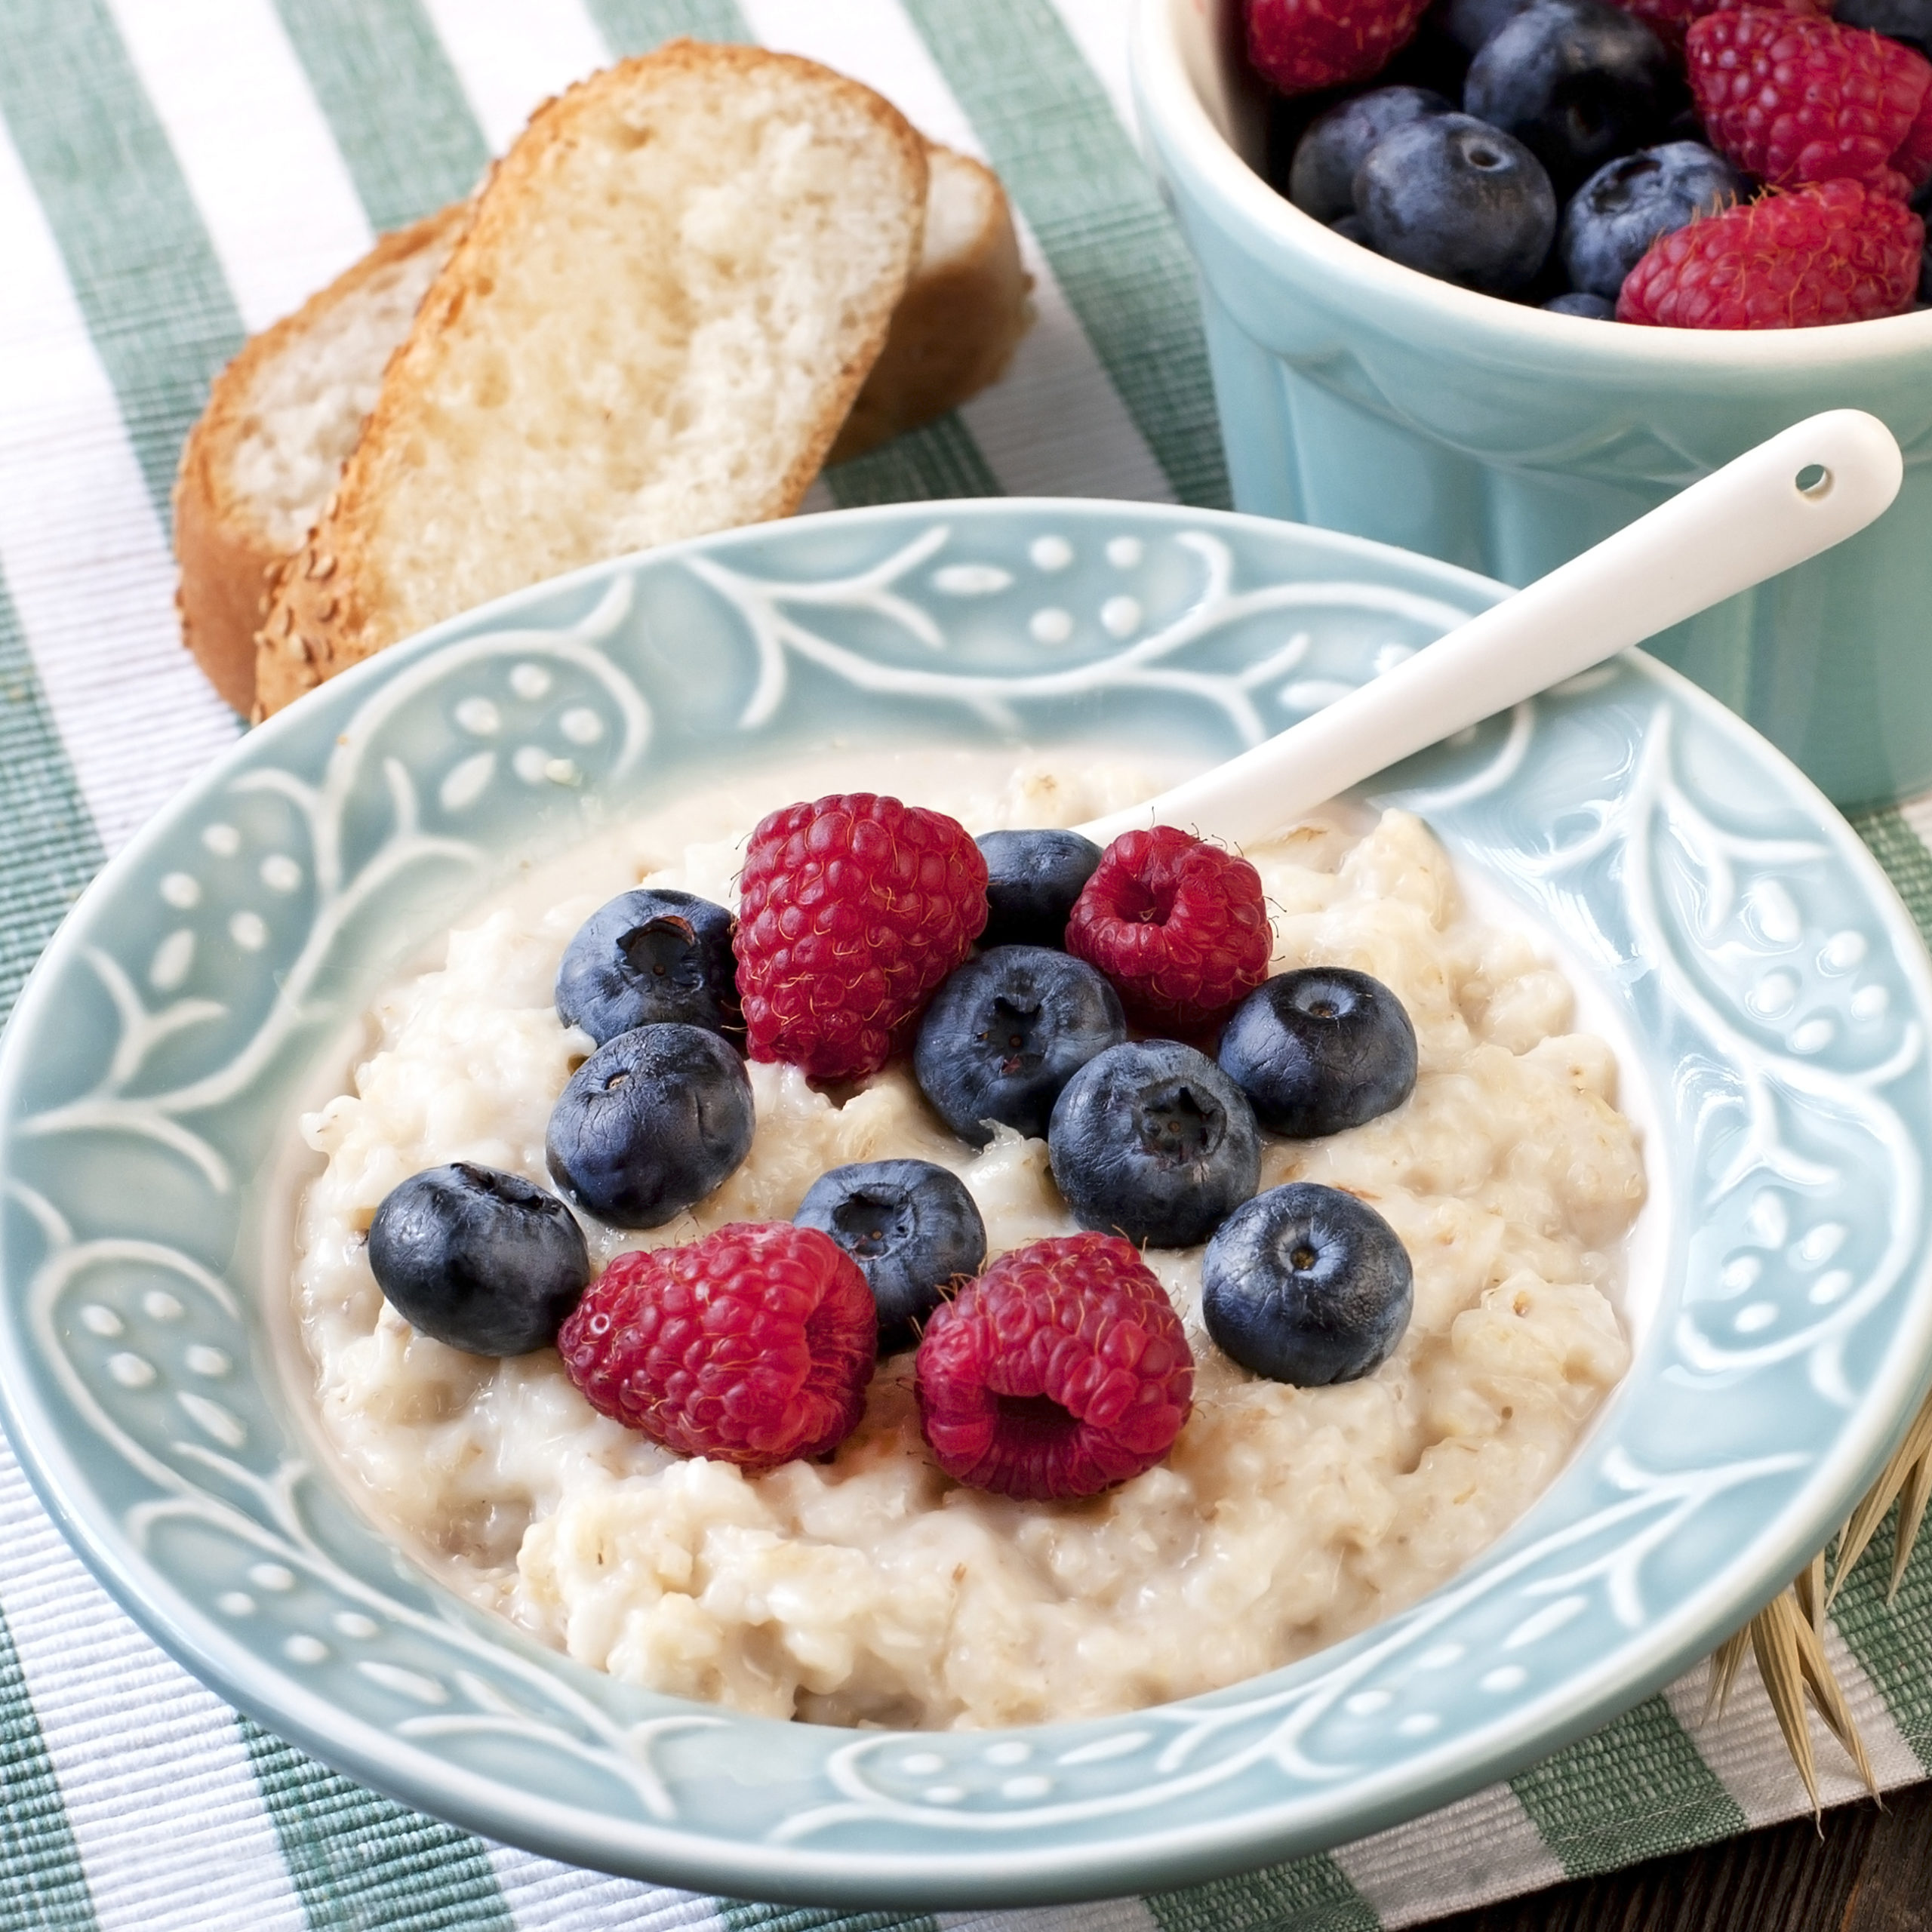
(303, 415)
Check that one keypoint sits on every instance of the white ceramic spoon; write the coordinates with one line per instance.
(1810, 486)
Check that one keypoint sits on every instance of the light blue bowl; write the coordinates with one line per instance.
(1356, 394)
(1774, 992)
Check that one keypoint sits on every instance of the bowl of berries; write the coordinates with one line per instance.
(619, 1225)
(1489, 279)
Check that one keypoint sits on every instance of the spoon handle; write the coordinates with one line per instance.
(1808, 488)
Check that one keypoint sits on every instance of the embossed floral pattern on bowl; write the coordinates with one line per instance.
(1773, 991)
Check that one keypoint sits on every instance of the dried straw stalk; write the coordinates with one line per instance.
(1907, 1480)
(1787, 1636)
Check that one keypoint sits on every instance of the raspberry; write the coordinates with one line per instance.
(1060, 1371)
(1914, 157)
(1299, 45)
(1667, 19)
(851, 909)
(1836, 251)
(753, 1346)
(1795, 99)
(1179, 926)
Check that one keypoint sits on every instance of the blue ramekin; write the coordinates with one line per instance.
(1356, 394)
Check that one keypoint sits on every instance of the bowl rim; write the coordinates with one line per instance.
(1191, 1853)
(1173, 114)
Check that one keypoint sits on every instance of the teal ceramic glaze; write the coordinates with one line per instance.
(1773, 995)
(1357, 395)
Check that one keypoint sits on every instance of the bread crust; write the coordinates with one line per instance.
(228, 557)
(952, 334)
(328, 608)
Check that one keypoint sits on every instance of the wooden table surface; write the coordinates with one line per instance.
(1869, 1871)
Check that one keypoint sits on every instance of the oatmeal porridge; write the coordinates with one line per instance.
(868, 1588)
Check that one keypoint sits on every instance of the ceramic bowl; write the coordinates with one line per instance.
(1359, 395)
(1771, 993)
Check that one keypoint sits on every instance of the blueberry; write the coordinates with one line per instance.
(1153, 1141)
(1352, 228)
(483, 1260)
(1006, 1032)
(1472, 23)
(911, 1226)
(1033, 879)
(1908, 20)
(1453, 198)
(1306, 1284)
(1615, 215)
(1592, 308)
(646, 958)
(1577, 82)
(1320, 1049)
(1322, 180)
(649, 1124)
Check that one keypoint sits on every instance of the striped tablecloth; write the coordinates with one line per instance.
(174, 173)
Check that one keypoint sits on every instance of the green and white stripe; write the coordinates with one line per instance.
(157, 312)
(1110, 1916)
(543, 1897)
(366, 59)
(1498, 1849)
(160, 1811)
(235, 147)
(53, 851)
(635, 26)
(1893, 1642)
(174, 172)
(511, 54)
(42, 1881)
(1096, 29)
(82, 542)
(1045, 123)
(358, 1860)
(1737, 1753)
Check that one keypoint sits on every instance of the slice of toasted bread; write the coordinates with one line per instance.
(280, 423)
(283, 416)
(652, 325)
(961, 316)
